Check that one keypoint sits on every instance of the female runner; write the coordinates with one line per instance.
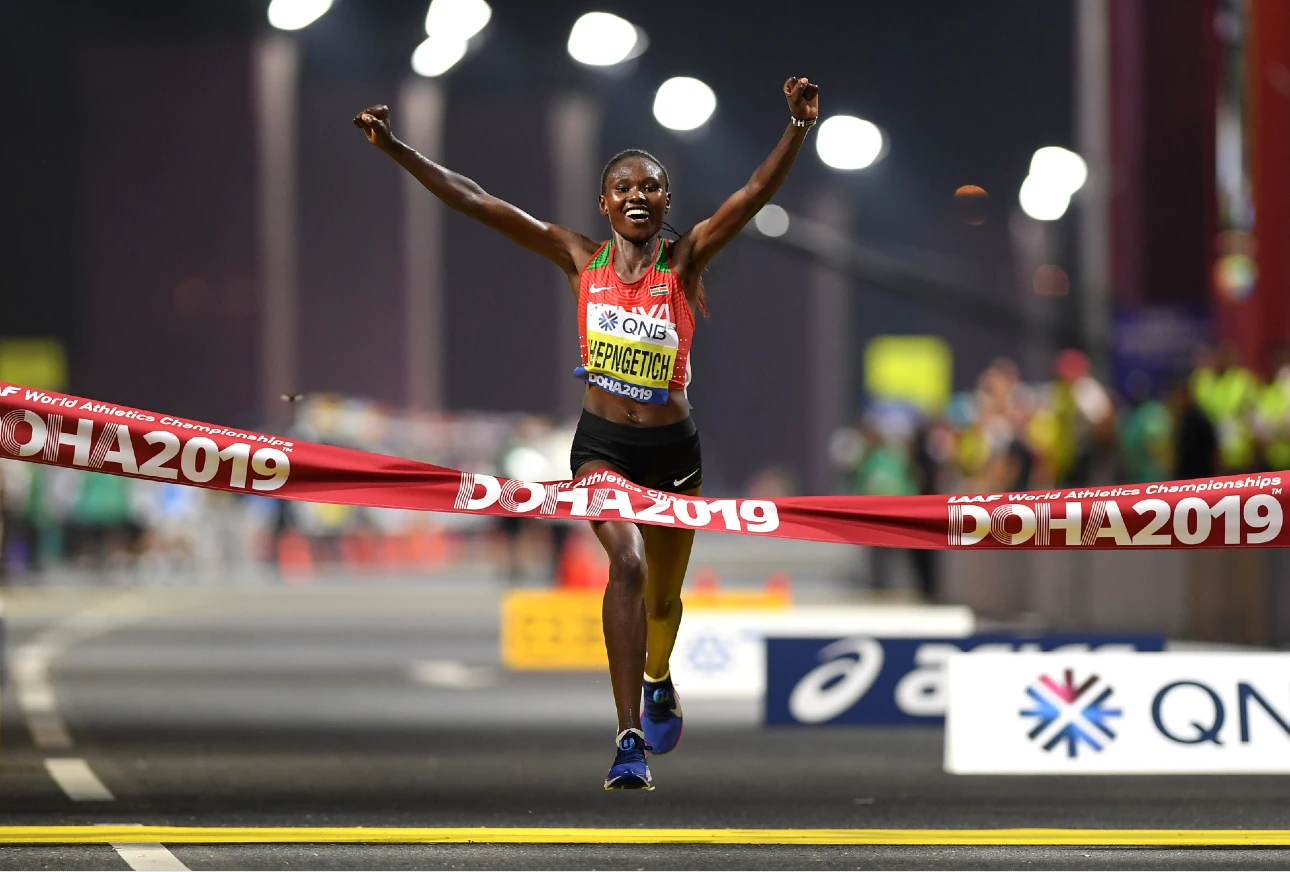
(636, 293)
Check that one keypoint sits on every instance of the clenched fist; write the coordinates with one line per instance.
(375, 122)
(803, 98)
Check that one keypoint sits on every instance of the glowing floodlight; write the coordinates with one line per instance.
(683, 103)
(295, 14)
(845, 142)
(461, 19)
(601, 39)
(772, 220)
(1059, 168)
(1043, 200)
(437, 55)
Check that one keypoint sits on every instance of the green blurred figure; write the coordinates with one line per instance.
(102, 527)
(1146, 434)
(1271, 419)
(1227, 393)
(886, 469)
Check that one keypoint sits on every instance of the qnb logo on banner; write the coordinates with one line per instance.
(1071, 715)
(1118, 714)
(1193, 713)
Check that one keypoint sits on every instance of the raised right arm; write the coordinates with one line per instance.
(568, 249)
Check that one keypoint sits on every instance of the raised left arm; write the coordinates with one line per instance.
(696, 248)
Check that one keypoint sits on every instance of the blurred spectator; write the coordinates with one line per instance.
(534, 452)
(102, 531)
(770, 484)
(887, 454)
(1270, 420)
(1227, 393)
(993, 454)
(1146, 434)
(1197, 451)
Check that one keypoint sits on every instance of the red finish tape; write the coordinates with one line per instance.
(61, 430)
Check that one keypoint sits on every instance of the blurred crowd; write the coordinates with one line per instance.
(1072, 431)
(56, 517)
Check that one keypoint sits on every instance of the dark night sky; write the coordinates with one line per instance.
(965, 91)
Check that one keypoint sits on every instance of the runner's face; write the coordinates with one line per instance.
(635, 199)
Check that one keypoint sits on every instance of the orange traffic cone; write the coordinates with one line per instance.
(295, 561)
(429, 548)
(582, 566)
(704, 581)
(779, 586)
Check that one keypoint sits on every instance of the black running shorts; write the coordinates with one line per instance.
(663, 458)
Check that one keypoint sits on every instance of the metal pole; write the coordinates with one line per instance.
(420, 116)
(1093, 137)
(277, 71)
(574, 127)
(832, 362)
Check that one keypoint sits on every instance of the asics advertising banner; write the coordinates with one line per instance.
(1111, 714)
(62, 430)
(863, 680)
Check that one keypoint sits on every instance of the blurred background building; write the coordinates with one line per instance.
(1031, 244)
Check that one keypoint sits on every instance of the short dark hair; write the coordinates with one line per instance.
(631, 152)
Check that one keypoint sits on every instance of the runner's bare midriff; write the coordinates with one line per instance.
(624, 410)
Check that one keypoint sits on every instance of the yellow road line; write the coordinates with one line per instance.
(589, 836)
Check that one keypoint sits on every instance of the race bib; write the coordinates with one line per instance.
(628, 353)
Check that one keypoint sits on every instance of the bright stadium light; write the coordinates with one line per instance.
(845, 142)
(683, 103)
(457, 18)
(1055, 174)
(295, 14)
(437, 55)
(772, 220)
(451, 24)
(1043, 200)
(1059, 167)
(601, 39)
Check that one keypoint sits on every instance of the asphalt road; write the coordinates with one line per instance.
(384, 707)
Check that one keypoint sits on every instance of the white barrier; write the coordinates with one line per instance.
(1084, 714)
(722, 654)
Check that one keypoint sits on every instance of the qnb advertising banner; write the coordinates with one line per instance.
(863, 680)
(1085, 714)
(62, 430)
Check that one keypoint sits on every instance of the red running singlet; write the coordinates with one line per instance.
(635, 337)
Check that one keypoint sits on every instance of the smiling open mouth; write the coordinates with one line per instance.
(637, 214)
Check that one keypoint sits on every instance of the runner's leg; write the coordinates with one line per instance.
(667, 554)
(623, 611)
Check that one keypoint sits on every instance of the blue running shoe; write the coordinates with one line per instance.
(661, 716)
(630, 771)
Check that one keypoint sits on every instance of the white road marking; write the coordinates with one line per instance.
(452, 674)
(36, 696)
(146, 856)
(77, 779)
(149, 857)
(32, 660)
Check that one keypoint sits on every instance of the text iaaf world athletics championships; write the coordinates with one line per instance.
(58, 401)
(1094, 493)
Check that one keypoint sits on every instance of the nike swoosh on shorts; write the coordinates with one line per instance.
(681, 481)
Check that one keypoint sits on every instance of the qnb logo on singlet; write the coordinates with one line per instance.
(630, 353)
